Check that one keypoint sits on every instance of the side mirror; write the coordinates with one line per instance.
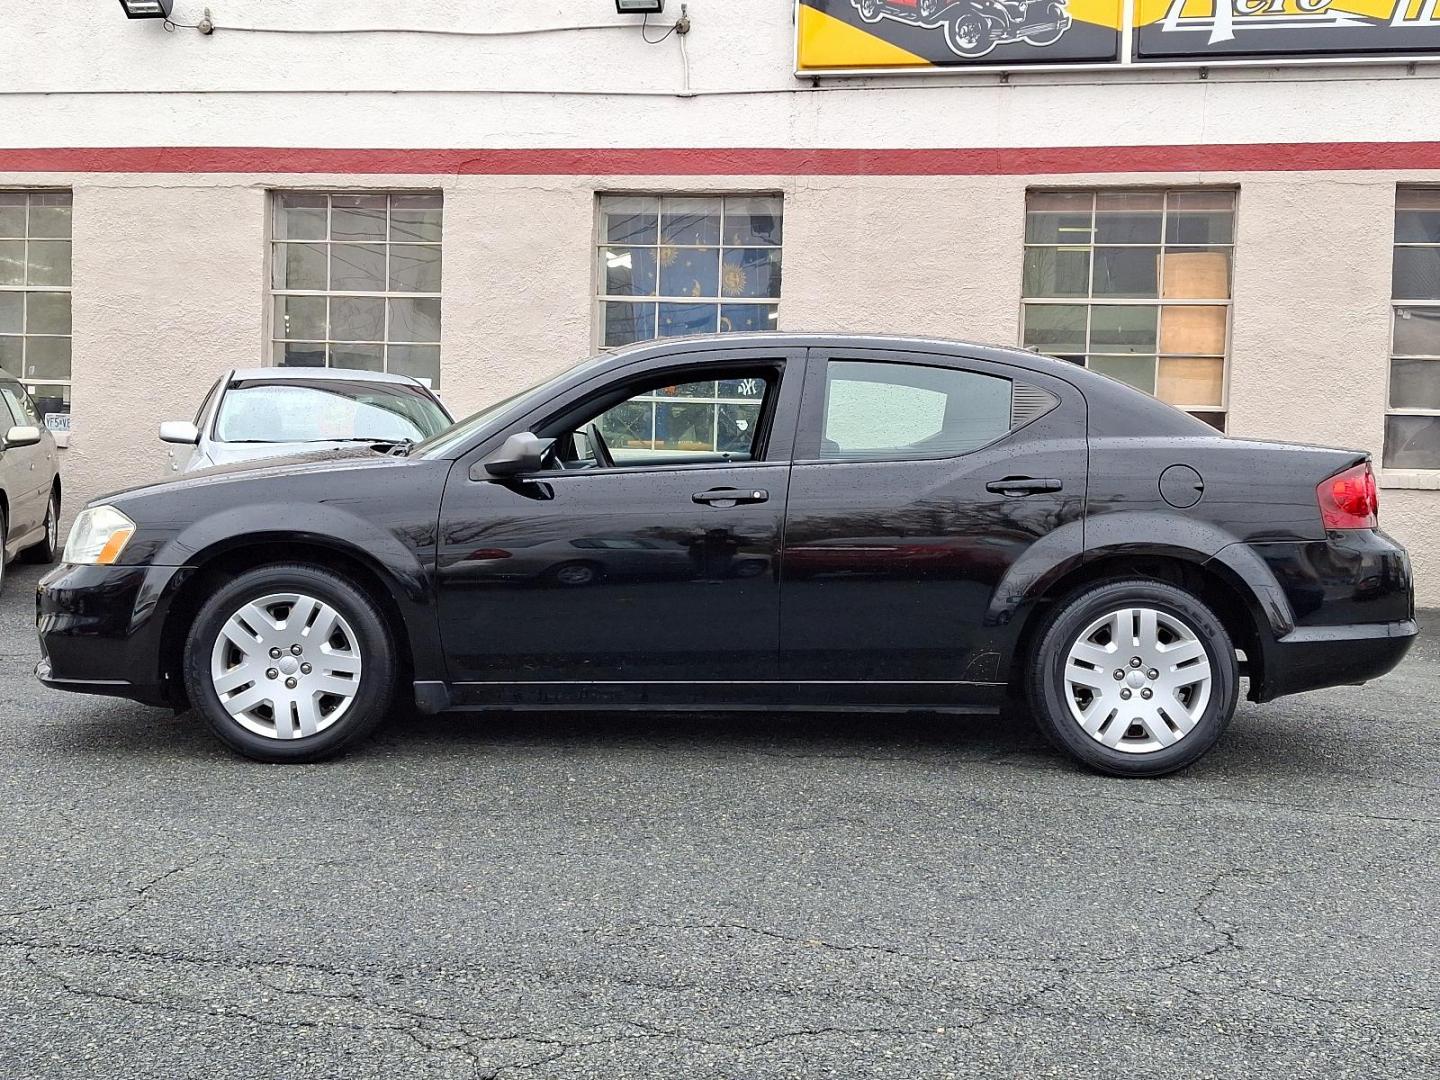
(523, 452)
(179, 431)
(28, 435)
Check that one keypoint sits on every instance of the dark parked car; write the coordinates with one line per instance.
(965, 522)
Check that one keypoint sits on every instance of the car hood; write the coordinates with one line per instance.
(221, 454)
(343, 457)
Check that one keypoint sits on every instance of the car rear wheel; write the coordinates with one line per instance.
(290, 663)
(45, 551)
(4, 541)
(1133, 678)
(969, 35)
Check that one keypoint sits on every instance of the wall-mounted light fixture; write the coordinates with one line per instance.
(640, 7)
(147, 9)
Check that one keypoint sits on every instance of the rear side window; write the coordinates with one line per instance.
(882, 410)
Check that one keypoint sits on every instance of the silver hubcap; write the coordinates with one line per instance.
(50, 526)
(286, 666)
(1137, 680)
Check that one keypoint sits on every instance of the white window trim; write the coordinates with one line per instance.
(598, 296)
(1090, 302)
(272, 338)
(1421, 479)
(67, 383)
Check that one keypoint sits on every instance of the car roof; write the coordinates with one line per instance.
(810, 339)
(310, 374)
(1105, 397)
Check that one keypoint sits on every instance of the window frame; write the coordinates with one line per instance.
(65, 385)
(1090, 302)
(607, 379)
(1394, 471)
(273, 243)
(598, 243)
(811, 427)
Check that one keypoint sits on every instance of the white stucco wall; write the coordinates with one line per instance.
(169, 266)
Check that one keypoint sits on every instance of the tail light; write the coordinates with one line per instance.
(1348, 500)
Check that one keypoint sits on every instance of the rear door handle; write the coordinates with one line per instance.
(723, 497)
(1016, 486)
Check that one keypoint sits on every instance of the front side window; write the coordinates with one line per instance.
(300, 412)
(1412, 421)
(1136, 285)
(885, 410)
(668, 266)
(355, 280)
(21, 408)
(690, 422)
(35, 296)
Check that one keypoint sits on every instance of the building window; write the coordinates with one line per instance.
(674, 265)
(1412, 421)
(1136, 285)
(355, 280)
(35, 297)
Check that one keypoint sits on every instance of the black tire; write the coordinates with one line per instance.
(930, 8)
(969, 36)
(4, 540)
(376, 689)
(1047, 693)
(46, 550)
(870, 11)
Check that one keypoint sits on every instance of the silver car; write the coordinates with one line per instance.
(29, 479)
(269, 412)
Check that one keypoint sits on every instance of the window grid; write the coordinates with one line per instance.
(1160, 302)
(1416, 200)
(330, 344)
(50, 389)
(718, 301)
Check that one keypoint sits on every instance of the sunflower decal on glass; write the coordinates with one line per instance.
(675, 265)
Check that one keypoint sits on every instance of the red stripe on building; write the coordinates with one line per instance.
(758, 161)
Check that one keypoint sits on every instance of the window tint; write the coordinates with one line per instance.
(903, 410)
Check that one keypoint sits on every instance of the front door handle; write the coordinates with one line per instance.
(723, 497)
(1016, 486)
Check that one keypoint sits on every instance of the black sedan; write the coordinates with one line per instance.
(758, 521)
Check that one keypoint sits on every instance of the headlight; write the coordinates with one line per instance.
(98, 536)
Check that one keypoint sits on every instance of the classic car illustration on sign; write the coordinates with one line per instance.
(839, 36)
(898, 34)
(974, 27)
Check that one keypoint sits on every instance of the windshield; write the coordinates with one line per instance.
(473, 425)
(299, 411)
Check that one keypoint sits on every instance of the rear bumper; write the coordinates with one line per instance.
(100, 630)
(1328, 612)
(1313, 657)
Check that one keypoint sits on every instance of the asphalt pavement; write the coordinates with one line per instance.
(716, 897)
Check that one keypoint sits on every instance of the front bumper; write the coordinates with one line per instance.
(101, 630)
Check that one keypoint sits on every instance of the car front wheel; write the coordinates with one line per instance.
(1133, 678)
(290, 663)
(45, 551)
